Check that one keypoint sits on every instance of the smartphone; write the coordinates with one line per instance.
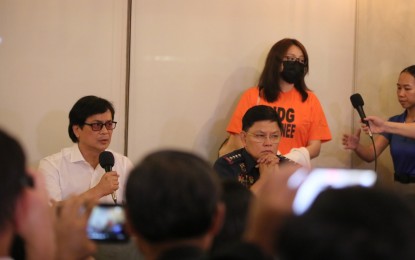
(320, 179)
(107, 224)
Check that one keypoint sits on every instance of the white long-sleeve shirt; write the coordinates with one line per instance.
(68, 173)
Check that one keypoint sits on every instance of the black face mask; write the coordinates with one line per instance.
(293, 71)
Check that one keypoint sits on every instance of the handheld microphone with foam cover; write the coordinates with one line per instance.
(357, 102)
(106, 160)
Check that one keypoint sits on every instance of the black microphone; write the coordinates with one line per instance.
(106, 160)
(357, 102)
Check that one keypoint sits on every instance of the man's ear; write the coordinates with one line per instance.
(75, 130)
(243, 135)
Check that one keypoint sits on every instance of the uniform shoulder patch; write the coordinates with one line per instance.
(233, 158)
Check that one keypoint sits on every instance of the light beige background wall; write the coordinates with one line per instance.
(385, 40)
(51, 54)
(191, 61)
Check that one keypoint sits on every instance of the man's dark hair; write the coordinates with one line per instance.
(84, 108)
(351, 223)
(270, 76)
(172, 195)
(13, 176)
(260, 113)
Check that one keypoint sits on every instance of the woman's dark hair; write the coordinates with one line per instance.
(270, 77)
(410, 70)
(84, 108)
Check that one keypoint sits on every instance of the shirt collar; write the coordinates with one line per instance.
(76, 155)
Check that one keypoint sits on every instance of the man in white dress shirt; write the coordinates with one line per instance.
(75, 170)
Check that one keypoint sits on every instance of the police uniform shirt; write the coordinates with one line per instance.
(238, 165)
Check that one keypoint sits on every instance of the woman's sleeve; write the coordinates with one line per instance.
(247, 101)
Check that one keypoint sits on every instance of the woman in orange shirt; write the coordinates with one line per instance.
(282, 86)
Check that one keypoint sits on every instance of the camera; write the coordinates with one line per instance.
(310, 185)
(107, 224)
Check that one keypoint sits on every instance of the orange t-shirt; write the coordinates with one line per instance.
(302, 121)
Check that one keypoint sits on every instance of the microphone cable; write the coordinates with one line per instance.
(374, 147)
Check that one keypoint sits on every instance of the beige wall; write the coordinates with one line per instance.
(51, 54)
(385, 44)
(191, 60)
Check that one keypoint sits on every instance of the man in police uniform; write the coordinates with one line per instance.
(261, 133)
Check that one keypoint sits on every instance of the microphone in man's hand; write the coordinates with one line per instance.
(106, 160)
(357, 102)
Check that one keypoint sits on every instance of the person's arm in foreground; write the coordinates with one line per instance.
(378, 125)
(70, 226)
(272, 205)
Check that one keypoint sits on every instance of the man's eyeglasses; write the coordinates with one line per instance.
(292, 58)
(261, 138)
(97, 126)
